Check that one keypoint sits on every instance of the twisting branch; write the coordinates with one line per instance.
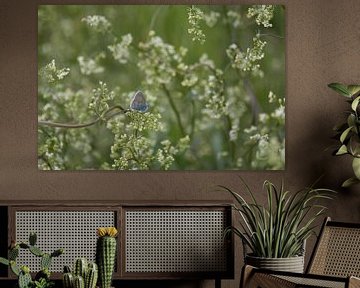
(106, 115)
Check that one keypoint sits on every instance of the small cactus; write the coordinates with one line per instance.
(23, 273)
(80, 267)
(24, 277)
(36, 251)
(106, 254)
(45, 261)
(32, 238)
(83, 274)
(91, 276)
(79, 282)
(68, 280)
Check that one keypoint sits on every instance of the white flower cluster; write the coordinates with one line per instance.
(52, 74)
(263, 14)
(266, 140)
(195, 16)
(120, 51)
(159, 60)
(234, 18)
(101, 98)
(211, 18)
(214, 95)
(97, 22)
(248, 60)
(89, 66)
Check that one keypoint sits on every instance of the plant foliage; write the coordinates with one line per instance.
(348, 132)
(279, 229)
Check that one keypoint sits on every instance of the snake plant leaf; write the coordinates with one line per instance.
(340, 88)
(342, 150)
(345, 134)
(349, 182)
(353, 89)
(355, 103)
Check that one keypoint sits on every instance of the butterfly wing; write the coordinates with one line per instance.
(138, 102)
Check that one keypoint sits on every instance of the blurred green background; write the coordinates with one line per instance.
(64, 37)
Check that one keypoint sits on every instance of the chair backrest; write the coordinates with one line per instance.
(337, 251)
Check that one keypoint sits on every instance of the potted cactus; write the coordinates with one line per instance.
(42, 278)
(106, 254)
(84, 275)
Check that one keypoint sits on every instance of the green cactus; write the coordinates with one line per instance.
(91, 276)
(44, 273)
(87, 272)
(13, 253)
(57, 252)
(45, 261)
(36, 251)
(105, 255)
(80, 267)
(79, 282)
(24, 278)
(32, 238)
(42, 278)
(68, 280)
(14, 268)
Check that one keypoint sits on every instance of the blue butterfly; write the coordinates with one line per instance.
(138, 102)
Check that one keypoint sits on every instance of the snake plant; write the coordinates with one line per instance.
(279, 228)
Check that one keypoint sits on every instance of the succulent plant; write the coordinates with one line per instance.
(42, 278)
(106, 254)
(85, 275)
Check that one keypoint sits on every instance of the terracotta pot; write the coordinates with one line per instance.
(291, 264)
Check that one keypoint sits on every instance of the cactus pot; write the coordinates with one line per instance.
(291, 264)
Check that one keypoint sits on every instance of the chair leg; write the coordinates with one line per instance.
(246, 274)
(250, 278)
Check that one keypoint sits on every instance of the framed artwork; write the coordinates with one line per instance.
(161, 87)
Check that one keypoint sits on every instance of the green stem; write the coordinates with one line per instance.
(173, 106)
(83, 125)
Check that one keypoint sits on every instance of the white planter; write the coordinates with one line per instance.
(291, 264)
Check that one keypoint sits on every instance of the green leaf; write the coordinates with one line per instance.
(340, 88)
(4, 261)
(349, 182)
(345, 134)
(356, 167)
(355, 103)
(342, 150)
(353, 89)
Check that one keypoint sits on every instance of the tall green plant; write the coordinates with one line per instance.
(279, 229)
(349, 131)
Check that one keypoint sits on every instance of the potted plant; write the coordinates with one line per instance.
(42, 278)
(348, 132)
(276, 233)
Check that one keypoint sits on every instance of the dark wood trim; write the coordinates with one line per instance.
(89, 203)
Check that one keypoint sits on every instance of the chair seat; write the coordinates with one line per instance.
(335, 262)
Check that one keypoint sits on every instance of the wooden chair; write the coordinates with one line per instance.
(335, 262)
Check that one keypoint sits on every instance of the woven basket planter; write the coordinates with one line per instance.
(291, 264)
